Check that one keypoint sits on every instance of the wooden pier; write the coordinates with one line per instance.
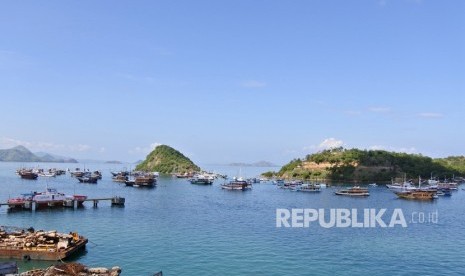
(70, 203)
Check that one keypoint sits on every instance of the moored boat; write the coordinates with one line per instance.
(238, 185)
(309, 188)
(354, 191)
(418, 194)
(48, 198)
(88, 179)
(28, 244)
(201, 179)
(28, 174)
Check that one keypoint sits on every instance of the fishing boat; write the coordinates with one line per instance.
(354, 191)
(237, 184)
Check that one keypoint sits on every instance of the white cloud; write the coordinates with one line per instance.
(395, 149)
(430, 115)
(253, 84)
(7, 142)
(379, 109)
(330, 143)
(154, 145)
(102, 150)
(144, 150)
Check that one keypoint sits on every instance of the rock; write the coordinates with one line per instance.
(98, 270)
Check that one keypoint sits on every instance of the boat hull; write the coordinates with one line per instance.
(42, 254)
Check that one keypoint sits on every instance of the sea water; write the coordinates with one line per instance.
(185, 229)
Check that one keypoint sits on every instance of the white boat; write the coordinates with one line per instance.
(354, 191)
(50, 197)
(321, 185)
(373, 185)
(309, 188)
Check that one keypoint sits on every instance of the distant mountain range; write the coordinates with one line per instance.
(256, 164)
(22, 154)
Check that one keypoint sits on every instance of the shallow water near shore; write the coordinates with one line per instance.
(185, 229)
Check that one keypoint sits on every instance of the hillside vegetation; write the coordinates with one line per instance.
(341, 164)
(165, 159)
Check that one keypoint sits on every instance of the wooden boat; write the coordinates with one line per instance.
(354, 191)
(237, 185)
(120, 178)
(39, 245)
(418, 194)
(28, 174)
(145, 180)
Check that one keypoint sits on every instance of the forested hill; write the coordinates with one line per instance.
(370, 165)
(165, 159)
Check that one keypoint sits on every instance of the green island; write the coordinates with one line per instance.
(165, 159)
(355, 165)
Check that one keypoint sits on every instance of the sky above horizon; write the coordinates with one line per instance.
(232, 81)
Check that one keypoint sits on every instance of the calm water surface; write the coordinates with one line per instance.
(186, 229)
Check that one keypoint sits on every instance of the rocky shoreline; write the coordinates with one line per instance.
(73, 269)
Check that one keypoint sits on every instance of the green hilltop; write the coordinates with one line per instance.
(341, 164)
(165, 159)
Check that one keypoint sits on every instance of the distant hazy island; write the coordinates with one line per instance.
(22, 154)
(165, 159)
(256, 164)
(341, 164)
(113, 162)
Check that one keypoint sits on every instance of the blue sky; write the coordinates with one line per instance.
(230, 81)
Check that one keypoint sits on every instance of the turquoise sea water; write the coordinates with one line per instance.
(185, 229)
